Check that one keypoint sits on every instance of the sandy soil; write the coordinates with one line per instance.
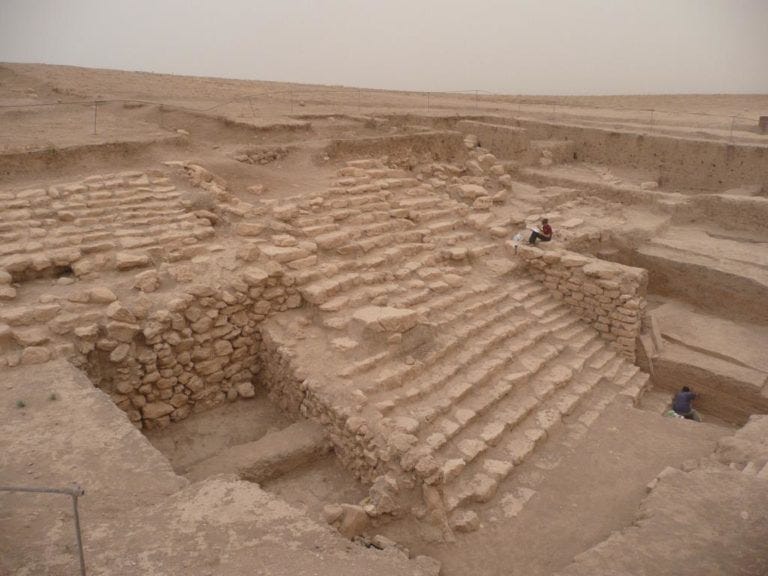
(257, 102)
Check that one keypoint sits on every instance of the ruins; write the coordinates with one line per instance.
(303, 332)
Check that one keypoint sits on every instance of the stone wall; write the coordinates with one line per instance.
(191, 353)
(296, 393)
(609, 296)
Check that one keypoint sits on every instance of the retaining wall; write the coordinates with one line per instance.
(352, 437)
(609, 296)
(199, 349)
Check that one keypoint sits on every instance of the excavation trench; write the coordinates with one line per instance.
(698, 334)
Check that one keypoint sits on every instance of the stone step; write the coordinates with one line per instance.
(441, 389)
(495, 452)
(465, 313)
(359, 295)
(502, 451)
(535, 355)
(393, 377)
(438, 387)
(330, 292)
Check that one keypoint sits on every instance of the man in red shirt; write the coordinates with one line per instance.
(545, 234)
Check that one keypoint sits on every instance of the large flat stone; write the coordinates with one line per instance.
(384, 319)
(270, 456)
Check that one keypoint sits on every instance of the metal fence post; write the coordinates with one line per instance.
(75, 495)
(95, 113)
(74, 491)
(733, 122)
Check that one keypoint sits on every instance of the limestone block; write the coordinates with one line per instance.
(332, 240)
(332, 513)
(101, 295)
(498, 469)
(474, 168)
(122, 331)
(128, 260)
(380, 319)
(452, 468)
(5, 278)
(456, 253)
(465, 521)
(120, 353)
(7, 292)
(354, 520)
(246, 390)
(31, 336)
(483, 487)
(35, 355)
(470, 191)
(571, 260)
(249, 229)
(254, 276)
(470, 448)
(147, 281)
(155, 410)
(116, 311)
(222, 348)
(482, 203)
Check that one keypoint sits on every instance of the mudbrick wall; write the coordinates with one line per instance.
(609, 296)
(193, 353)
(504, 141)
(700, 164)
(426, 146)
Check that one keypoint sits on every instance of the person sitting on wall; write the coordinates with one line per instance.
(682, 404)
(545, 234)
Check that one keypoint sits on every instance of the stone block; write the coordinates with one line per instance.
(101, 295)
(380, 319)
(465, 521)
(155, 410)
(128, 260)
(35, 355)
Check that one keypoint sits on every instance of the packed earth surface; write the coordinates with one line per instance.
(287, 329)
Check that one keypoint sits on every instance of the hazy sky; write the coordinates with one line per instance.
(512, 46)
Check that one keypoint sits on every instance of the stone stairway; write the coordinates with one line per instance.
(434, 358)
(105, 222)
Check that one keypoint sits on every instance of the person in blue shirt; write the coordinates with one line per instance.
(683, 404)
